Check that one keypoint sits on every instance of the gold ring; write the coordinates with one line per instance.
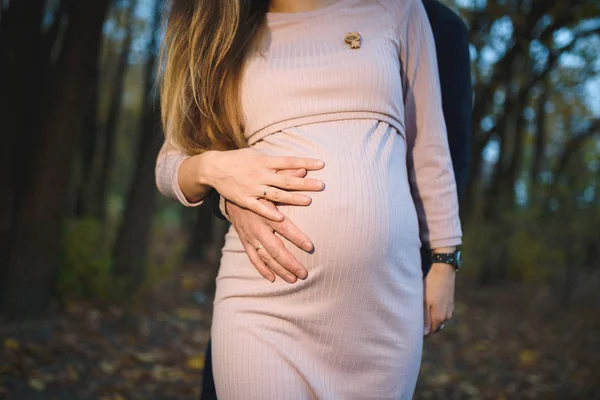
(265, 191)
(260, 246)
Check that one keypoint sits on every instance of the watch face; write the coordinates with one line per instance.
(458, 255)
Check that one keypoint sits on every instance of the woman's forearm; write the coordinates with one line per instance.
(182, 176)
(196, 176)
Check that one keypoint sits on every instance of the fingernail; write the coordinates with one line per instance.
(321, 184)
(319, 163)
(307, 246)
(301, 274)
(290, 278)
(306, 200)
(426, 331)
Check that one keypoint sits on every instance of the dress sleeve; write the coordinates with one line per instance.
(168, 162)
(430, 170)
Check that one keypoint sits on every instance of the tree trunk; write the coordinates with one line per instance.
(131, 246)
(85, 201)
(540, 143)
(33, 258)
(110, 133)
(20, 49)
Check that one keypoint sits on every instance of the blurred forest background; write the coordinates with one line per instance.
(105, 287)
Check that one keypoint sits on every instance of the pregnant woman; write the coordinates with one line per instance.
(350, 82)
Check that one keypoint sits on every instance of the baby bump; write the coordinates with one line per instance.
(366, 212)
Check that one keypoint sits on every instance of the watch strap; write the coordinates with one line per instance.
(446, 258)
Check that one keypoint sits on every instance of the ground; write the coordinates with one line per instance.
(508, 342)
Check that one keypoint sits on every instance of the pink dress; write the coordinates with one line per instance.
(354, 328)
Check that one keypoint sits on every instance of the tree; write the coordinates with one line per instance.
(32, 257)
(505, 89)
(131, 246)
(105, 156)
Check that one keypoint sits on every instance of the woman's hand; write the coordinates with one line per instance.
(241, 177)
(438, 288)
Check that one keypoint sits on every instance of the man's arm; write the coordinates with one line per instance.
(452, 46)
(214, 199)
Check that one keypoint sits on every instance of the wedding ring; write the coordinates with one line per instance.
(265, 191)
(440, 327)
(260, 246)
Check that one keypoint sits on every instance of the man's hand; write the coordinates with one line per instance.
(438, 289)
(255, 230)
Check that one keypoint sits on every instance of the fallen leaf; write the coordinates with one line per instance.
(190, 314)
(527, 357)
(188, 283)
(72, 373)
(441, 379)
(37, 384)
(72, 307)
(162, 374)
(109, 367)
(468, 388)
(196, 362)
(148, 357)
(11, 344)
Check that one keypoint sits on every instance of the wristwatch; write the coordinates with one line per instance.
(453, 259)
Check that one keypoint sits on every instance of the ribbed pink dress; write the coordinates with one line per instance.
(354, 328)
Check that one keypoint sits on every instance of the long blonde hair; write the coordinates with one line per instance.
(201, 62)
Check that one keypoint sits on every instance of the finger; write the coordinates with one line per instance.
(299, 172)
(427, 317)
(261, 209)
(281, 196)
(260, 266)
(437, 319)
(277, 250)
(288, 182)
(291, 232)
(290, 162)
(449, 314)
(275, 266)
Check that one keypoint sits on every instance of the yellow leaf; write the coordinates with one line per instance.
(441, 379)
(108, 367)
(196, 362)
(469, 388)
(71, 307)
(190, 314)
(479, 347)
(166, 374)
(188, 283)
(148, 357)
(37, 384)
(11, 344)
(527, 357)
(72, 373)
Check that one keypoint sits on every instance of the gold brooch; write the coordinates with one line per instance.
(353, 39)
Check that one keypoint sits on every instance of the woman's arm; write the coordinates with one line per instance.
(168, 163)
(430, 166)
(240, 176)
